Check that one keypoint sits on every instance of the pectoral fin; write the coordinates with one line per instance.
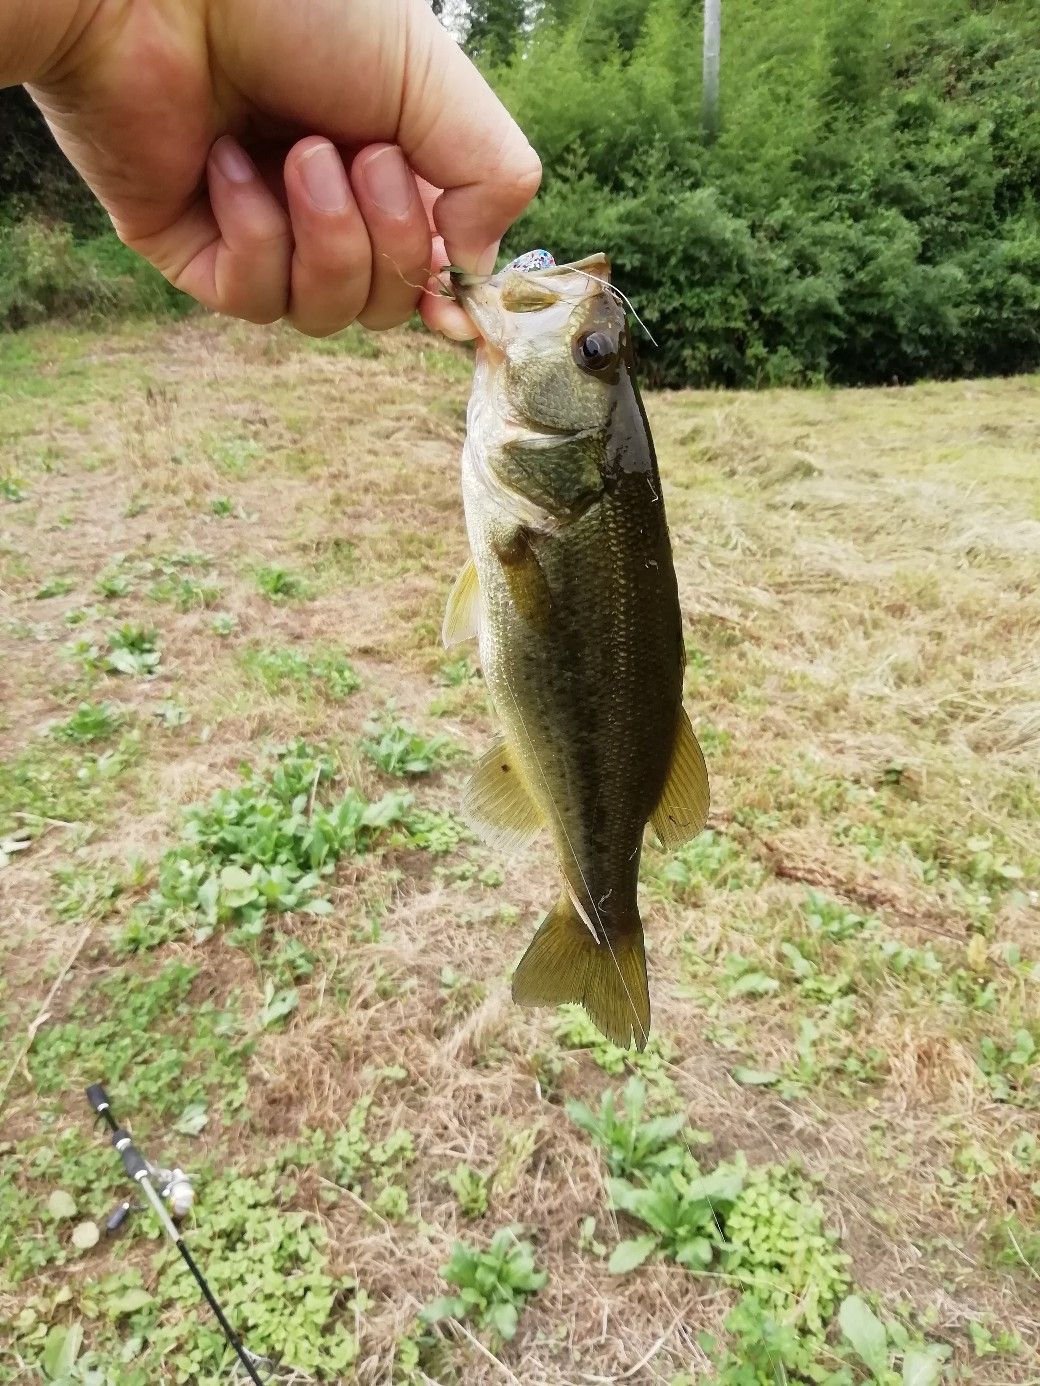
(462, 615)
(498, 805)
(525, 579)
(683, 807)
(566, 963)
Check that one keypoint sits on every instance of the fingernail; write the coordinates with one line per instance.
(389, 182)
(233, 161)
(486, 259)
(458, 328)
(322, 174)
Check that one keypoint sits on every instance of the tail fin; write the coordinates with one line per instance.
(565, 963)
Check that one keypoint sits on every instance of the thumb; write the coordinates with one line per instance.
(458, 136)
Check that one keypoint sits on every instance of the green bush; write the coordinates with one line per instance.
(45, 273)
(867, 215)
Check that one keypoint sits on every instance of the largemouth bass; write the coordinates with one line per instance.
(572, 594)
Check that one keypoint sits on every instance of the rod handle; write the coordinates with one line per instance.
(133, 1161)
(98, 1099)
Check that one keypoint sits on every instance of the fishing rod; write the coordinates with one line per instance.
(177, 1188)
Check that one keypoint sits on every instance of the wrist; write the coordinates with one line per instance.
(37, 37)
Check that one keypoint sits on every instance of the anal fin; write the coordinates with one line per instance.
(498, 804)
(462, 614)
(682, 809)
(566, 963)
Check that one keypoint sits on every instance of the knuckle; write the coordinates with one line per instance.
(528, 176)
(267, 234)
(335, 254)
(515, 175)
(126, 236)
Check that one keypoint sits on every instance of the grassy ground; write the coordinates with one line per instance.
(224, 554)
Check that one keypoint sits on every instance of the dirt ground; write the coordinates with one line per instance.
(858, 575)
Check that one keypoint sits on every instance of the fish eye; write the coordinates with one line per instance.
(596, 351)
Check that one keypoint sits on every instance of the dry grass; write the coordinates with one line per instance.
(858, 576)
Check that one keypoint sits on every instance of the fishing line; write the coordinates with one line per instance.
(624, 299)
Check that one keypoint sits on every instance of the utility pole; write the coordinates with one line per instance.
(710, 83)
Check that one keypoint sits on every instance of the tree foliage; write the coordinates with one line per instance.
(867, 214)
(494, 29)
(34, 174)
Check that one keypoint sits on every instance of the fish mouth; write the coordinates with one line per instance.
(506, 304)
(596, 265)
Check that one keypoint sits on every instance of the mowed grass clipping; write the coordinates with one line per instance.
(236, 890)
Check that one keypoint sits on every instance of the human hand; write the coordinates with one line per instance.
(313, 160)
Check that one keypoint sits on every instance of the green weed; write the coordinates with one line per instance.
(126, 1030)
(684, 1211)
(876, 1343)
(91, 722)
(781, 1251)
(31, 1237)
(574, 1030)
(233, 456)
(711, 859)
(457, 672)
(1016, 1243)
(90, 892)
(278, 669)
(266, 1260)
(171, 714)
(471, 1190)
(493, 1285)
(133, 650)
(113, 584)
(439, 833)
(266, 846)
(64, 1363)
(350, 1157)
(184, 592)
(47, 784)
(56, 587)
(12, 489)
(764, 1352)
(400, 751)
(80, 615)
(632, 1144)
(283, 585)
(1012, 1071)
(224, 624)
